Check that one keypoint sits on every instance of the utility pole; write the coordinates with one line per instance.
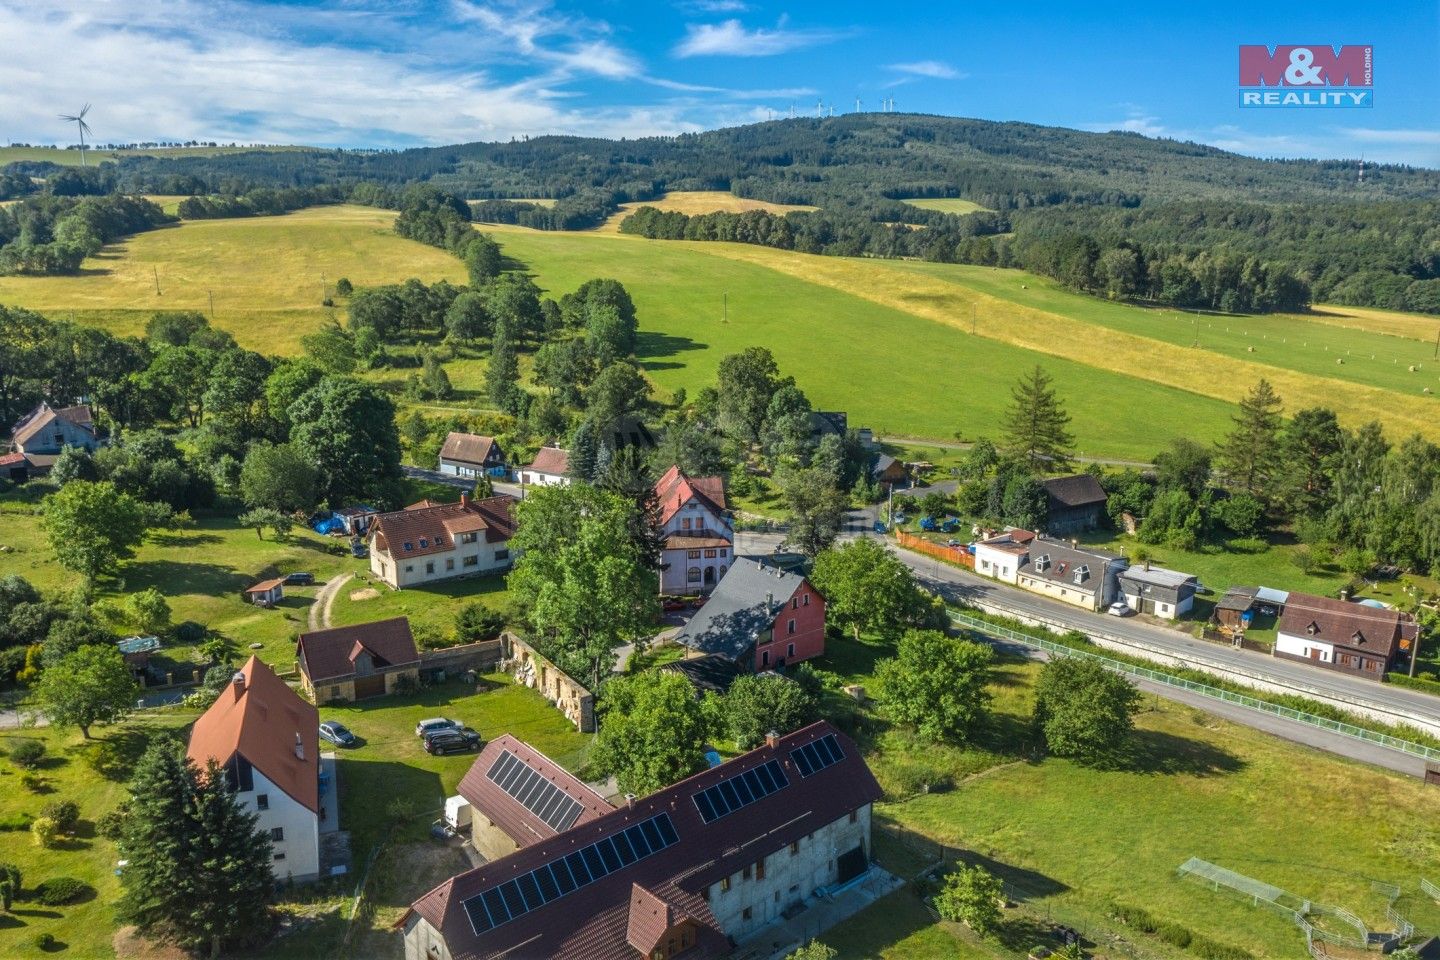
(1437, 344)
(725, 306)
(156, 271)
(212, 303)
(973, 311)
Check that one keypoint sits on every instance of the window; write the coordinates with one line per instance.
(794, 847)
(502, 554)
(693, 575)
(277, 835)
(424, 543)
(278, 856)
(409, 545)
(684, 523)
(765, 658)
(746, 914)
(724, 552)
(262, 801)
(724, 884)
(745, 874)
(854, 815)
(470, 561)
(789, 627)
(805, 600)
(467, 538)
(760, 869)
(384, 570)
(794, 603)
(710, 554)
(693, 554)
(430, 566)
(449, 563)
(790, 651)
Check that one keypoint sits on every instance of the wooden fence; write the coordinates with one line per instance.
(960, 556)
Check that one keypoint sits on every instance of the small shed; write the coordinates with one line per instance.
(1233, 609)
(137, 650)
(889, 471)
(266, 593)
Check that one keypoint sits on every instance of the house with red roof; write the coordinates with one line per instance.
(696, 870)
(357, 662)
(550, 468)
(697, 544)
(430, 541)
(265, 737)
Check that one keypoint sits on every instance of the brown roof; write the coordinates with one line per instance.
(436, 524)
(10, 459)
(43, 415)
(1354, 626)
(1081, 490)
(551, 460)
(265, 586)
(517, 821)
(594, 922)
(650, 918)
(327, 654)
(424, 504)
(675, 489)
(263, 722)
(467, 448)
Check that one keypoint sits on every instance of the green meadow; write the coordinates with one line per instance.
(947, 204)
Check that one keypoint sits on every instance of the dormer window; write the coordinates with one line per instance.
(424, 543)
(409, 545)
(1313, 629)
(1359, 638)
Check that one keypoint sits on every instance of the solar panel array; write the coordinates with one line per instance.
(557, 809)
(741, 790)
(817, 755)
(515, 898)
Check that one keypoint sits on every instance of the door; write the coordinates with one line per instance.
(709, 576)
(371, 686)
(1147, 605)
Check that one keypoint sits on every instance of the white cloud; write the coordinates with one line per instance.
(933, 69)
(731, 38)
(715, 6)
(1369, 135)
(1149, 126)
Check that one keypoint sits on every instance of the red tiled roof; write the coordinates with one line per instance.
(594, 922)
(678, 541)
(327, 654)
(10, 459)
(467, 448)
(650, 918)
(425, 504)
(507, 813)
(263, 723)
(675, 489)
(551, 460)
(435, 525)
(1355, 626)
(265, 586)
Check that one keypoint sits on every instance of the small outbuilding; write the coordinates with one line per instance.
(1168, 594)
(266, 593)
(1073, 504)
(353, 663)
(1234, 609)
(889, 471)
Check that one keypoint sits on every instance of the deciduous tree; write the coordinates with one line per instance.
(277, 477)
(867, 588)
(757, 704)
(815, 509)
(652, 732)
(971, 896)
(92, 527)
(92, 685)
(936, 684)
(1084, 711)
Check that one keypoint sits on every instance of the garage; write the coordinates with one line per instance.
(372, 686)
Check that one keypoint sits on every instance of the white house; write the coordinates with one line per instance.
(429, 541)
(697, 544)
(1168, 594)
(1000, 556)
(550, 469)
(1081, 576)
(265, 738)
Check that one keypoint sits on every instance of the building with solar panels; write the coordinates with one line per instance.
(693, 870)
(515, 796)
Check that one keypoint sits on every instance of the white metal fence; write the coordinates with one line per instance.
(1430, 888)
(1216, 693)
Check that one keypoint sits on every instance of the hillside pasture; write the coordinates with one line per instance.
(948, 205)
(71, 158)
(694, 202)
(1395, 323)
(268, 275)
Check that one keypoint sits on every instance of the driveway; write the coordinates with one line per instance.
(460, 483)
(324, 597)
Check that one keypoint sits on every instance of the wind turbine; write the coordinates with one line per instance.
(82, 126)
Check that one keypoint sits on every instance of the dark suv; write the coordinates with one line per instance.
(300, 579)
(463, 740)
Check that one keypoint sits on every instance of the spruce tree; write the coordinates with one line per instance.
(1250, 455)
(502, 374)
(1035, 424)
(584, 448)
(198, 869)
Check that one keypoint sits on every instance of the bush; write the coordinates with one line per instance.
(59, 891)
(46, 941)
(32, 782)
(190, 632)
(1174, 934)
(44, 831)
(1209, 949)
(112, 823)
(65, 813)
(405, 685)
(27, 753)
(476, 622)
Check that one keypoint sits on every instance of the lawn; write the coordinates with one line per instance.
(431, 609)
(898, 927)
(268, 275)
(947, 204)
(892, 370)
(93, 775)
(1395, 323)
(694, 202)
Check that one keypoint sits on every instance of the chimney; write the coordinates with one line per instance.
(299, 747)
(464, 499)
(772, 739)
(239, 683)
(629, 801)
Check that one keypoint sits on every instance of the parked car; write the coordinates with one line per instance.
(299, 579)
(1119, 609)
(461, 740)
(880, 526)
(337, 733)
(434, 725)
(358, 550)
(672, 604)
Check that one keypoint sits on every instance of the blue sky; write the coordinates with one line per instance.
(400, 73)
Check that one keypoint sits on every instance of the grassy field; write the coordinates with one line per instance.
(268, 275)
(1416, 326)
(1194, 786)
(71, 158)
(947, 205)
(697, 201)
(431, 609)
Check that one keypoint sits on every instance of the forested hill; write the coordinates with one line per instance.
(849, 160)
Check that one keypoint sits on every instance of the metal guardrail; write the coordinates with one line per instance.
(1215, 693)
(1430, 888)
